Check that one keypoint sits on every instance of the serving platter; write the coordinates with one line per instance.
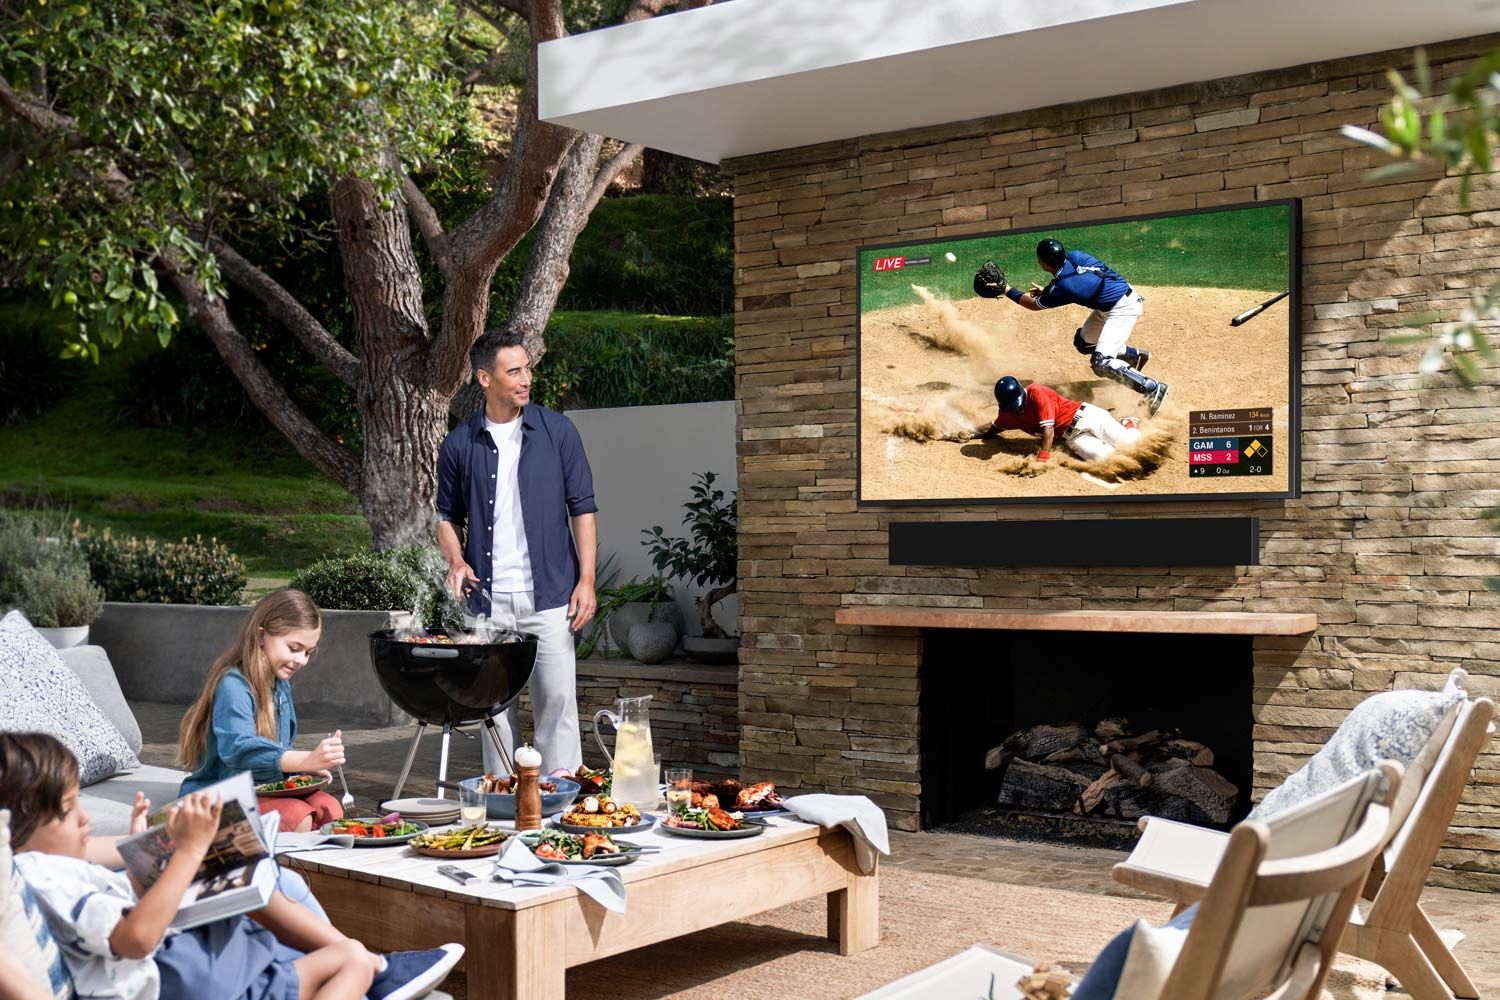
(752, 828)
(628, 853)
(648, 820)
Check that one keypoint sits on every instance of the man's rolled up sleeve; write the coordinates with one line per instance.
(450, 503)
(578, 479)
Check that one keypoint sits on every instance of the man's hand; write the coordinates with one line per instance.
(194, 822)
(459, 578)
(582, 605)
(1036, 289)
(139, 812)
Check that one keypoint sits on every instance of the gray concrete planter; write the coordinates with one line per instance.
(162, 652)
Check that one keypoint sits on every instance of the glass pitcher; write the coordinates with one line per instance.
(633, 763)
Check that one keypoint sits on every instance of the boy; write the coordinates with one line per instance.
(118, 944)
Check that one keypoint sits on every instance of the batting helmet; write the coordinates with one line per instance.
(1009, 394)
(1051, 253)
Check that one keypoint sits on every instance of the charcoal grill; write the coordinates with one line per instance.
(452, 684)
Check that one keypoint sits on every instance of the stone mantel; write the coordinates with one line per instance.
(1193, 622)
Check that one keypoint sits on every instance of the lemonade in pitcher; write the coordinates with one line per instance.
(633, 760)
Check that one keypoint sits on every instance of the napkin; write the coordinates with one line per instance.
(855, 813)
(518, 866)
(292, 843)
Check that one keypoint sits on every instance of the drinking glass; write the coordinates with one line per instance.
(471, 806)
(679, 789)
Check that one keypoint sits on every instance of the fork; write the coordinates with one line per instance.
(347, 800)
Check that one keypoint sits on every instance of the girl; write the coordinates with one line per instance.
(244, 719)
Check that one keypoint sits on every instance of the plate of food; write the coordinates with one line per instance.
(600, 812)
(580, 849)
(368, 831)
(759, 799)
(466, 842)
(590, 781)
(294, 787)
(712, 824)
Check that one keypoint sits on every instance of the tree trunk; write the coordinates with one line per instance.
(402, 418)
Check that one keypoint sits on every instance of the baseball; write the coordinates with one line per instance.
(951, 258)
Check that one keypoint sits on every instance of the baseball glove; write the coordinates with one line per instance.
(989, 281)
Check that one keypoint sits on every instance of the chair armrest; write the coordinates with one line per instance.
(1176, 860)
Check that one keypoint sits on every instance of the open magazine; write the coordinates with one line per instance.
(238, 873)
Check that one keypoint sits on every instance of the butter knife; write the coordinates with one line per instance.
(456, 873)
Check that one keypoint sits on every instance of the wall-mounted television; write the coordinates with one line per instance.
(1145, 358)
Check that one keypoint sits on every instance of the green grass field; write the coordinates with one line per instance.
(1244, 248)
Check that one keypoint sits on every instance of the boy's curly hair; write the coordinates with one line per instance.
(36, 772)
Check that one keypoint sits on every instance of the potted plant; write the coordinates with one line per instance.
(642, 602)
(709, 557)
(59, 599)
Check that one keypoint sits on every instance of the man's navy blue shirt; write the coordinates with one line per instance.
(1084, 281)
(555, 484)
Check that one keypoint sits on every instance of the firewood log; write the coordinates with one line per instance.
(1202, 786)
(1033, 744)
(1112, 729)
(1040, 786)
(1190, 750)
(1128, 743)
(1090, 797)
(1130, 770)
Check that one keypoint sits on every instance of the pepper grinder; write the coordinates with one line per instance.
(528, 789)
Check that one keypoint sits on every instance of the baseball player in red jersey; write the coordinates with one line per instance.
(1088, 431)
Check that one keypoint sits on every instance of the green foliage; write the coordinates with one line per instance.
(26, 543)
(1460, 129)
(668, 254)
(32, 375)
(709, 556)
(617, 359)
(188, 116)
(57, 592)
(363, 581)
(145, 571)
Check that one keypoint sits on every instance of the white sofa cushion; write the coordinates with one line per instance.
(108, 802)
(24, 933)
(91, 664)
(38, 693)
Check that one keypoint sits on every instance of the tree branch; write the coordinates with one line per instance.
(330, 458)
(286, 310)
(428, 223)
(613, 168)
(40, 117)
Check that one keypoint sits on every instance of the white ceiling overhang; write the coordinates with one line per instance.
(751, 76)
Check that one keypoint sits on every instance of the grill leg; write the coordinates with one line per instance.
(494, 731)
(443, 759)
(411, 755)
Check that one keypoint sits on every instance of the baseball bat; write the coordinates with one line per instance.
(1254, 311)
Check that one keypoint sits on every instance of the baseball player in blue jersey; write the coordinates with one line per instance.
(1078, 279)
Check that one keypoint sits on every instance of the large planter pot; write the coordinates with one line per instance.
(67, 637)
(651, 642)
(706, 650)
(162, 652)
(627, 616)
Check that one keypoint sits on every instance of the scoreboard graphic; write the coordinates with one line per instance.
(1230, 442)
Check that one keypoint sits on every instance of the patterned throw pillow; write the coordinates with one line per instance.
(39, 694)
(23, 931)
(1392, 725)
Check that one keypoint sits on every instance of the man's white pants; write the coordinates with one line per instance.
(1096, 433)
(1108, 331)
(553, 688)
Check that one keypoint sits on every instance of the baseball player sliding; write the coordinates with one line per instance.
(1078, 279)
(1088, 431)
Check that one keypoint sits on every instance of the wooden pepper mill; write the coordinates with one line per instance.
(528, 789)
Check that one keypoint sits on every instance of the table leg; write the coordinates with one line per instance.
(514, 954)
(854, 913)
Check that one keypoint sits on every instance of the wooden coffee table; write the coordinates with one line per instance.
(521, 941)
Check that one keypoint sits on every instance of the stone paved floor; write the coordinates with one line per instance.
(376, 756)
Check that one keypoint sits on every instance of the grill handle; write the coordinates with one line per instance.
(434, 653)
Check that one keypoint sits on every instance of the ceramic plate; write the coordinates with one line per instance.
(648, 820)
(628, 853)
(301, 791)
(487, 851)
(752, 828)
(327, 828)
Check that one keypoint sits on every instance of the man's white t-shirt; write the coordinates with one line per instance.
(510, 562)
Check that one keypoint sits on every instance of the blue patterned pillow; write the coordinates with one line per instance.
(23, 929)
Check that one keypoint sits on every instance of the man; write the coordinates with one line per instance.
(515, 475)
(1088, 431)
(1078, 279)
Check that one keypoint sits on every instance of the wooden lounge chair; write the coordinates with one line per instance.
(1268, 923)
(1177, 860)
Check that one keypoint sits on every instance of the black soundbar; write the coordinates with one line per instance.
(1118, 541)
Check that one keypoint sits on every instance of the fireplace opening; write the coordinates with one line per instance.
(1083, 732)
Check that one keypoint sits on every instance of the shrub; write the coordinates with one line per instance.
(636, 361)
(363, 581)
(145, 571)
(24, 544)
(57, 592)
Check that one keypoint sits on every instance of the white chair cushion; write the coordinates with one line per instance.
(24, 933)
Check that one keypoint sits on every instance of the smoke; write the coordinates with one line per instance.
(954, 333)
(936, 420)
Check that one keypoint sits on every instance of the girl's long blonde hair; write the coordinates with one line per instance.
(278, 613)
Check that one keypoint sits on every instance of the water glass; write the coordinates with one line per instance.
(471, 806)
(679, 788)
